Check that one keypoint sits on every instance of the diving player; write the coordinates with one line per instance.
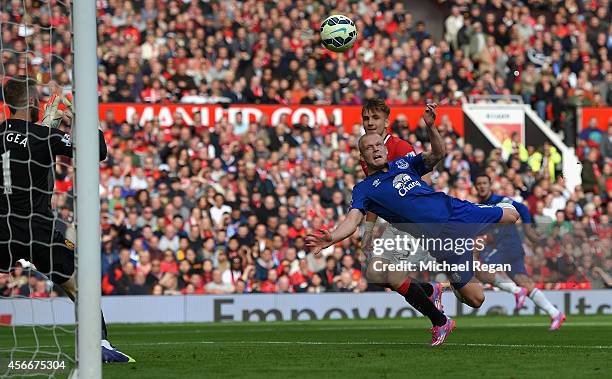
(394, 191)
(375, 119)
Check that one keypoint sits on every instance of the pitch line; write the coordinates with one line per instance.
(288, 328)
(343, 343)
(369, 343)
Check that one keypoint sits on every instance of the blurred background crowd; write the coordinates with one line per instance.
(224, 208)
(551, 53)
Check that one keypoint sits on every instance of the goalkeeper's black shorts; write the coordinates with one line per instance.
(41, 243)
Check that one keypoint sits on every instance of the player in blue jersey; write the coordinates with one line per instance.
(395, 192)
(506, 247)
(375, 118)
(414, 292)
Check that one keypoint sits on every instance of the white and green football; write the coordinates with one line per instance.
(338, 33)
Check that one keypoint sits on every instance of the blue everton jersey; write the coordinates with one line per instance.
(400, 196)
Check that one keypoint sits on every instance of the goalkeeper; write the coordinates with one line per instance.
(28, 229)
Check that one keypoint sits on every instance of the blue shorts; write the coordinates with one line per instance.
(460, 277)
(467, 221)
(514, 255)
(469, 213)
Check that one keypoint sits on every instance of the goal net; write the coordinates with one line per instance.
(38, 322)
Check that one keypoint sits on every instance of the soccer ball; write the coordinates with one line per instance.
(338, 33)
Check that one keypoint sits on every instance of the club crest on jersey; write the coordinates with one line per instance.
(402, 164)
(376, 183)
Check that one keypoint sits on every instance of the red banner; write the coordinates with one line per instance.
(602, 115)
(321, 115)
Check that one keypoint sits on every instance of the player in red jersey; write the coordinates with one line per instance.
(396, 146)
(375, 118)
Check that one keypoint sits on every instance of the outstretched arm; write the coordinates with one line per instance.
(318, 242)
(431, 158)
(368, 234)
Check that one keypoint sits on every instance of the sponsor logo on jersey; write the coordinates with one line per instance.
(69, 244)
(376, 183)
(402, 164)
(404, 183)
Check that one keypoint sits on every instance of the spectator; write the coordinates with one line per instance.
(591, 172)
(139, 286)
(170, 239)
(316, 285)
(606, 143)
(217, 287)
(168, 264)
(329, 274)
(453, 23)
(219, 209)
(345, 283)
(264, 265)
(545, 163)
(169, 284)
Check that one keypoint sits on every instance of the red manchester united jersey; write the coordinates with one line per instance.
(396, 147)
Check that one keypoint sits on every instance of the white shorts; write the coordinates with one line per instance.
(384, 231)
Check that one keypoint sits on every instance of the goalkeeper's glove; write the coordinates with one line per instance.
(53, 116)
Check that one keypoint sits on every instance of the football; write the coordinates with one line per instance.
(338, 33)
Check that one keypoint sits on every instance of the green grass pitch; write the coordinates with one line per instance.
(497, 347)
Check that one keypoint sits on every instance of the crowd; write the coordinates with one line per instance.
(212, 211)
(224, 208)
(553, 54)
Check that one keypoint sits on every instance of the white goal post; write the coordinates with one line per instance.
(87, 204)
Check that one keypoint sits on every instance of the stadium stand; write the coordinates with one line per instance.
(224, 208)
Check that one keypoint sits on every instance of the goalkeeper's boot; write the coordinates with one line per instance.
(557, 321)
(112, 355)
(520, 298)
(439, 333)
(436, 295)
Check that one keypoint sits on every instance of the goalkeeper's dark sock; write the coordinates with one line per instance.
(415, 296)
(104, 331)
